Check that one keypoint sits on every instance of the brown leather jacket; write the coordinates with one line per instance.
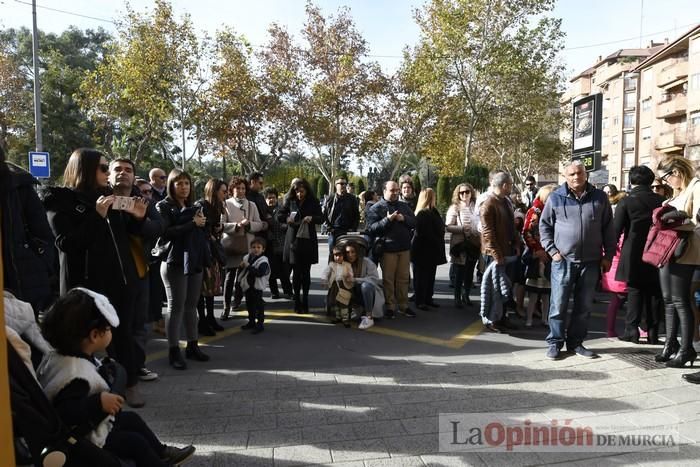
(499, 237)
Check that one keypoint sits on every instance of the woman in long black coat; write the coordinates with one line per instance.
(301, 211)
(633, 219)
(427, 248)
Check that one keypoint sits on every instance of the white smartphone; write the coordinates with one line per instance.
(123, 203)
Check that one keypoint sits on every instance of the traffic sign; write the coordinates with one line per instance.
(40, 164)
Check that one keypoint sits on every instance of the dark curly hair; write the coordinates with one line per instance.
(235, 181)
(70, 320)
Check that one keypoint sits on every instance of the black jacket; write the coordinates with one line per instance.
(300, 250)
(189, 243)
(94, 252)
(28, 243)
(341, 213)
(264, 212)
(428, 245)
(633, 218)
(397, 235)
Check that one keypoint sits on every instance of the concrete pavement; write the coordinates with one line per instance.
(307, 392)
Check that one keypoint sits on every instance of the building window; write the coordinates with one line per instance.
(646, 133)
(630, 83)
(646, 105)
(695, 81)
(628, 141)
(693, 153)
(695, 119)
(695, 46)
(630, 100)
(628, 120)
(615, 140)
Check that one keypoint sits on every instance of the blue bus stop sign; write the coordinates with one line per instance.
(39, 164)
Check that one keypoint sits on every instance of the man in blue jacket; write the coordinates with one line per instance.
(393, 222)
(576, 230)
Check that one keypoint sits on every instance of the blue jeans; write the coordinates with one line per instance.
(363, 294)
(567, 278)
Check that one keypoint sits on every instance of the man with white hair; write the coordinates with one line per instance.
(576, 225)
(158, 178)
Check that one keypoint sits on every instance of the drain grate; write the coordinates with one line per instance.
(643, 359)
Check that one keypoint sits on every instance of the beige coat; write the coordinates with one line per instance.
(689, 201)
(455, 221)
(235, 213)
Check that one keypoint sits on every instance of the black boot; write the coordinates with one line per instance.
(175, 358)
(305, 303)
(193, 352)
(213, 323)
(204, 328)
(297, 303)
(670, 349)
(692, 378)
(682, 357)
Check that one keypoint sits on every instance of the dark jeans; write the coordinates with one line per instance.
(131, 439)
(424, 283)
(231, 289)
(675, 286)
(579, 280)
(279, 270)
(141, 315)
(256, 305)
(464, 278)
(123, 345)
(641, 302)
(156, 292)
(301, 279)
(205, 304)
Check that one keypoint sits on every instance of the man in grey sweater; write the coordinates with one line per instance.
(576, 230)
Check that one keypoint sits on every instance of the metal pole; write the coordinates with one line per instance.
(37, 85)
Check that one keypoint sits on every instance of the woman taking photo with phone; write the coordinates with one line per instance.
(301, 211)
(185, 257)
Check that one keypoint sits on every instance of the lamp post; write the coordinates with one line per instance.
(37, 85)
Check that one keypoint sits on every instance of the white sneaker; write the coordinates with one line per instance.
(147, 375)
(366, 323)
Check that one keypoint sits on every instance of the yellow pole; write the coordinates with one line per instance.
(7, 447)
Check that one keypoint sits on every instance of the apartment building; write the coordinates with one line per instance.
(616, 77)
(669, 93)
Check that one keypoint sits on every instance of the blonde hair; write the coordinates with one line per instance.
(681, 165)
(544, 192)
(458, 188)
(426, 199)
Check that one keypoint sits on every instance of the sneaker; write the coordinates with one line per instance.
(366, 323)
(581, 351)
(552, 352)
(408, 312)
(134, 397)
(176, 456)
(147, 375)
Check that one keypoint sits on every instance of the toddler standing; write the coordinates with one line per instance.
(254, 278)
(338, 277)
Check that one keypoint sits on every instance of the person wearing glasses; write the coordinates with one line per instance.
(676, 276)
(158, 178)
(461, 221)
(660, 188)
(341, 213)
(94, 246)
(530, 193)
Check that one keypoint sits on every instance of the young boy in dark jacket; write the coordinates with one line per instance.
(254, 278)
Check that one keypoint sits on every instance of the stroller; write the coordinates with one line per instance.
(41, 439)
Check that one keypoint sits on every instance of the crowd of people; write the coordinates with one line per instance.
(119, 246)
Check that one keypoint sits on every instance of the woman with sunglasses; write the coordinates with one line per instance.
(301, 211)
(660, 188)
(93, 245)
(676, 276)
(461, 222)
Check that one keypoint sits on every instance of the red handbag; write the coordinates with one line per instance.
(663, 240)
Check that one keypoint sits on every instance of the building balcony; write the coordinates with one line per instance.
(672, 140)
(610, 71)
(673, 74)
(693, 135)
(673, 107)
(579, 88)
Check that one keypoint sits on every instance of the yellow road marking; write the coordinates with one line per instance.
(456, 342)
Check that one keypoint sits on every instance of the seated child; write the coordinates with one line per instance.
(254, 278)
(339, 279)
(78, 325)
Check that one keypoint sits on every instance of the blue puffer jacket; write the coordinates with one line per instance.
(578, 229)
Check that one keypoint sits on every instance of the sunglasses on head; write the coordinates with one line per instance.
(104, 168)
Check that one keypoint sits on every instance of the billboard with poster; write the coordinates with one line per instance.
(587, 122)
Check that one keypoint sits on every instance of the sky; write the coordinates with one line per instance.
(593, 28)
